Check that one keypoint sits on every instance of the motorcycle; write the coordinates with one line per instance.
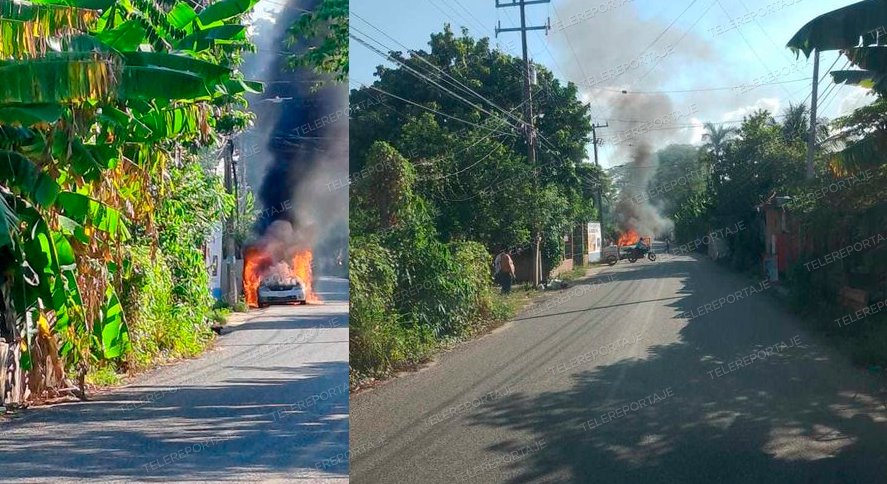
(631, 253)
(635, 253)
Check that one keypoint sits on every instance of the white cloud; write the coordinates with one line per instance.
(771, 104)
(855, 97)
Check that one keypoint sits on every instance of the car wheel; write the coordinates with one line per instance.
(612, 260)
(651, 256)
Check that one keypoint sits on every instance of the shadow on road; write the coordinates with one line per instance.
(227, 428)
(795, 416)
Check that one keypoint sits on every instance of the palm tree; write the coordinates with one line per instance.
(795, 126)
(716, 138)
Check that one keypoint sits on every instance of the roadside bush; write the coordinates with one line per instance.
(160, 327)
(373, 329)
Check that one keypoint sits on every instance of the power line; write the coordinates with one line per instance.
(449, 116)
(450, 79)
(747, 43)
(417, 73)
(668, 28)
(686, 32)
(674, 91)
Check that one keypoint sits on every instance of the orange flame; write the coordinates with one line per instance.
(630, 237)
(257, 264)
(301, 269)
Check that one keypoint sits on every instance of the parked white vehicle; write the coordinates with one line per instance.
(281, 291)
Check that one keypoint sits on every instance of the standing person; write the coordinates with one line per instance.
(668, 245)
(504, 267)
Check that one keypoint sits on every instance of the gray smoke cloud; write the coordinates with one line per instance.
(298, 145)
(610, 51)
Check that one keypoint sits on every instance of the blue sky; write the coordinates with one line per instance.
(685, 45)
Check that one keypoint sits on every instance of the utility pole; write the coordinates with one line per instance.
(228, 234)
(530, 131)
(811, 140)
(600, 197)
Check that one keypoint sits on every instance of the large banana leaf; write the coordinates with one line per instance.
(51, 17)
(868, 152)
(127, 36)
(207, 71)
(86, 211)
(873, 58)
(58, 78)
(26, 179)
(86, 4)
(160, 83)
(237, 86)
(866, 79)
(29, 114)
(8, 223)
(173, 121)
(25, 27)
(842, 28)
(204, 39)
(181, 16)
(223, 10)
(111, 330)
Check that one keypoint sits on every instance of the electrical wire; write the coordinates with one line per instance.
(419, 74)
(449, 116)
(451, 80)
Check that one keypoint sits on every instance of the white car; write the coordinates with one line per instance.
(281, 291)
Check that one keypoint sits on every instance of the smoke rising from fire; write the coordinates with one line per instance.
(302, 148)
(633, 210)
(622, 50)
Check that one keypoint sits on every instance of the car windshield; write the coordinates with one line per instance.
(284, 282)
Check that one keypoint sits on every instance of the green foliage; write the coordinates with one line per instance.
(430, 198)
(679, 177)
(326, 30)
(162, 325)
(219, 316)
(103, 106)
(375, 341)
(103, 376)
(185, 218)
(476, 180)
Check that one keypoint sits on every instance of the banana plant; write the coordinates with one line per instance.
(97, 97)
(859, 31)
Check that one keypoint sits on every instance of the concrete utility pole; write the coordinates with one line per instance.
(600, 197)
(530, 131)
(228, 248)
(811, 140)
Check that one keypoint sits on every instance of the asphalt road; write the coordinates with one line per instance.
(623, 379)
(268, 404)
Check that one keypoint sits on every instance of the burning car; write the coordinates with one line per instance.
(625, 249)
(277, 273)
(281, 290)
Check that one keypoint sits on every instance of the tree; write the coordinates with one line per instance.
(857, 31)
(678, 177)
(326, 28)
(471, 162)
(716, 138)
(99, 98)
